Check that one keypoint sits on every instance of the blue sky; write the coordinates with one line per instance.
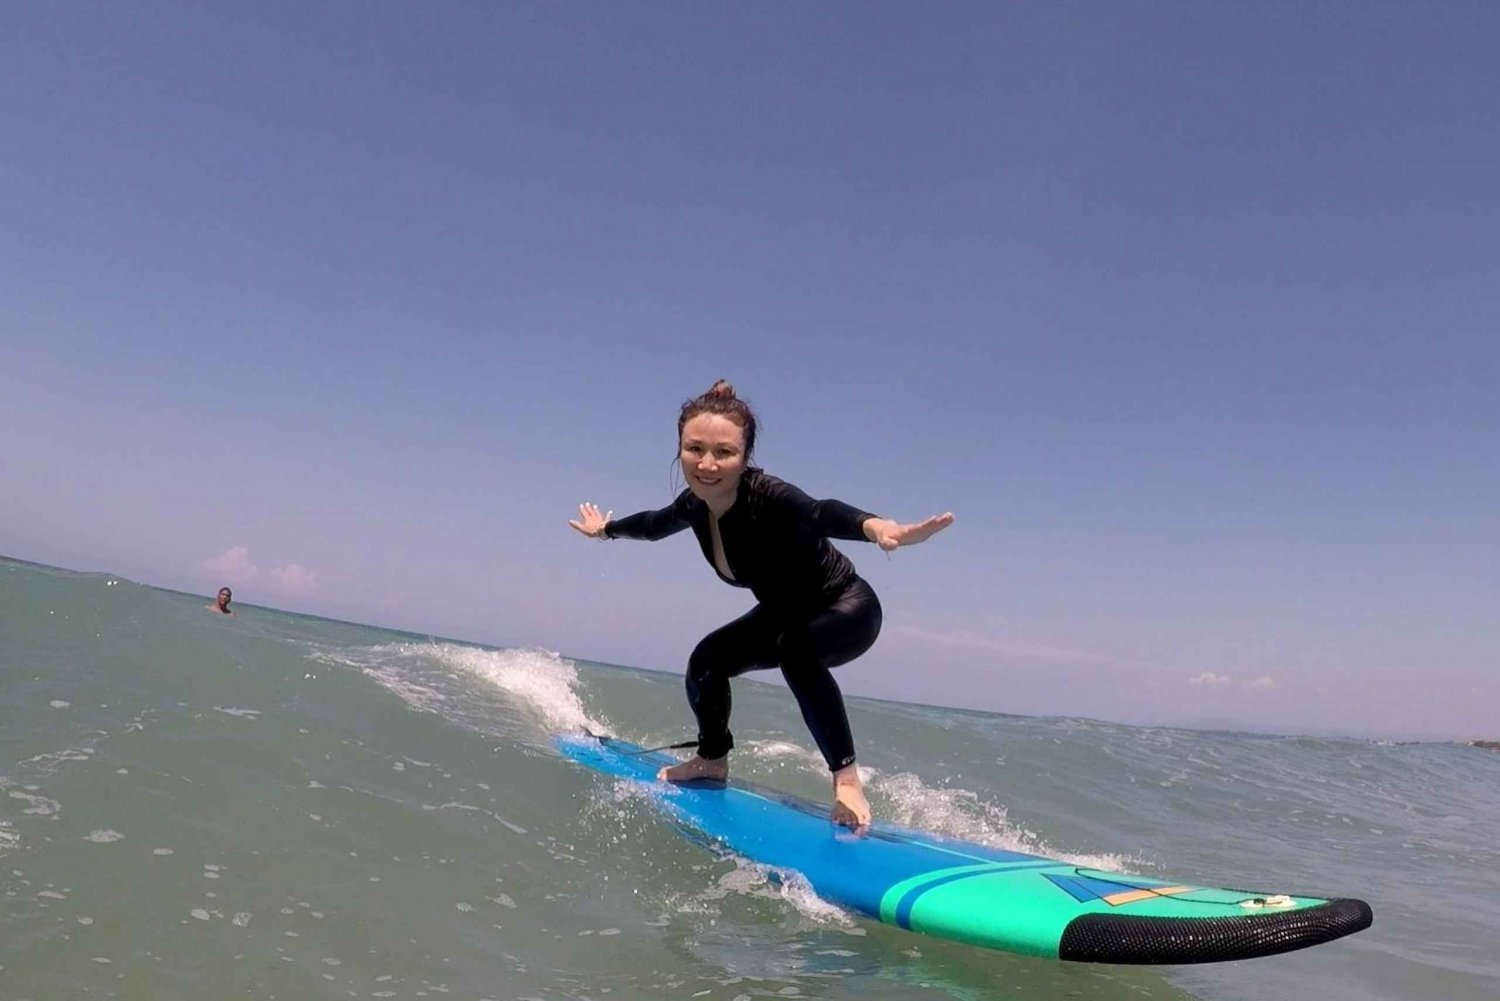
(1190, 313)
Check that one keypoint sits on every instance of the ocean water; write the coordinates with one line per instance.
(273, 806)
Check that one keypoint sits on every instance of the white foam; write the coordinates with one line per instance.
(539, 682)
(903, 799)
(797, 891)
(961, 814)
(104, 837)
(754, 879)
(48, 762)
(386, 664)
(773, 750)
(40, 805)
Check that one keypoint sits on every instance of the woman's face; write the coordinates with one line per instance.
(712, 452)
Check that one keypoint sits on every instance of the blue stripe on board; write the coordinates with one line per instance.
(909, 898)
(1074, 889)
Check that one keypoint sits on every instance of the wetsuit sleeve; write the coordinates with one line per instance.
(831, 519)
(650, 525)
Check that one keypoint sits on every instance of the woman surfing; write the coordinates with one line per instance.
(812, 613)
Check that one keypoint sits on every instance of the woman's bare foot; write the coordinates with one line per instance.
(850, 807)
(697, 767)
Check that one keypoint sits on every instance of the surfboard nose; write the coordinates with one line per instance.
(1137, 939)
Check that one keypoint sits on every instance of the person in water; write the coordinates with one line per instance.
(221, 604)
(813, 611)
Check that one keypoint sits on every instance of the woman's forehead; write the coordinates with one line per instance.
(713, 428)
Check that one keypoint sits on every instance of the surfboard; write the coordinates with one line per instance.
(977, 894)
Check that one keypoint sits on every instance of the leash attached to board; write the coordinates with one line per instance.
(682, 745)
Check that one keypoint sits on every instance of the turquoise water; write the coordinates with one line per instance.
(276, 806)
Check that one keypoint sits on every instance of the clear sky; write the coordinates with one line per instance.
(1190, 312)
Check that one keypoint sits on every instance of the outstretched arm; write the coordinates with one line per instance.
(833, 519)
(648, 525)
(888, 534)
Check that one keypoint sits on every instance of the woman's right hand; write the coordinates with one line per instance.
(590, 522)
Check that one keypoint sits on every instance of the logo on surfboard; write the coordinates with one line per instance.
(1115, 890)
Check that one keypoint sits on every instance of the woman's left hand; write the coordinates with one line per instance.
(888, 534)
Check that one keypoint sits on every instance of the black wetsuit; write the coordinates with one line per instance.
(814, 611)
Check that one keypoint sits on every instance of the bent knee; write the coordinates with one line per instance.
(705, 661)
(826, 647)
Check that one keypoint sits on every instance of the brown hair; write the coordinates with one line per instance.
(720, 399)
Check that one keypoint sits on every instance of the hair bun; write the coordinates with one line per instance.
(721, 390)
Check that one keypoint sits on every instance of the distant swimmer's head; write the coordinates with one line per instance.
(224, 595)
(715, 439)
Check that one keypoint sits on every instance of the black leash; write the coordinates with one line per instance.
(682, 745)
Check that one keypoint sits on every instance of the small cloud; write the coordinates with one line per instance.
(1210, 678)
(1261, 684)
(233, 566)
(294, 579)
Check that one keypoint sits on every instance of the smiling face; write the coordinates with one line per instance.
(712, 452)
(224, 595)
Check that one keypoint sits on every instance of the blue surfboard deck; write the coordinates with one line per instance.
(1013, 901)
